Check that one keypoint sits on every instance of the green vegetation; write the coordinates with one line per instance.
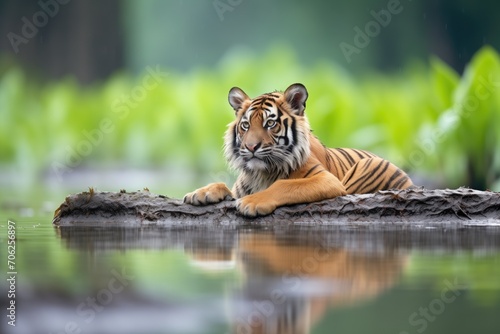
(425, 118)
(467, 269)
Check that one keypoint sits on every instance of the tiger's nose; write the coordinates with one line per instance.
(252, 147)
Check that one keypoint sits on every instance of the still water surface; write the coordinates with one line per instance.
(286, 279)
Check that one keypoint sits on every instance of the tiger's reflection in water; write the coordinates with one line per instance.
(289, 283)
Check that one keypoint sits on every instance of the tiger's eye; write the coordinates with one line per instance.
(244, 125)
(270, 123)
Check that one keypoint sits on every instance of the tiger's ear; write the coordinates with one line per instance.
(296, 96)
(236, 98)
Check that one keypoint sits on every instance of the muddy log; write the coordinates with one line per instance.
(414, 208)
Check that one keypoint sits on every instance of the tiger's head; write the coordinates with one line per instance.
(270, 133)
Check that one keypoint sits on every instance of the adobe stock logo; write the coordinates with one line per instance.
(429, 313)
(222, 6)
(30, 28)
(372, 29)
(122, 106)
(87, 311)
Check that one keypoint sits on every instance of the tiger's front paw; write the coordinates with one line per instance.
(213, 193)
(253, 206)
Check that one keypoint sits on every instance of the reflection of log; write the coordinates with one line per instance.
(224, 239)
(450, 208)
(274, 267)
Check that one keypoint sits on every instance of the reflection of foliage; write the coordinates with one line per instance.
(426, 119)
(467, 270)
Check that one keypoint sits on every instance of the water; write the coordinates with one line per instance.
(247, 280)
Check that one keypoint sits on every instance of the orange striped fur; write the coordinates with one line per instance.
(280, 162)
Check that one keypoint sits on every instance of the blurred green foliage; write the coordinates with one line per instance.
(473, 269)
(425, 118)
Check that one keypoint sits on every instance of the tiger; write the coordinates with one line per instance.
(280, 162)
